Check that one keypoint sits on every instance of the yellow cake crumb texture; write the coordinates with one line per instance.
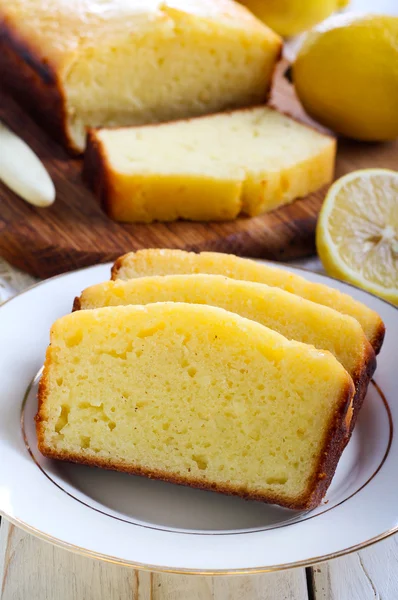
(290, 315)
(193, 394)
(166, 262)
(212, 168)
(132, 62)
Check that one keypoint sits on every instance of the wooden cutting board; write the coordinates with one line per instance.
(75, 233)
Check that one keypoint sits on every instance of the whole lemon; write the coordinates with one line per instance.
(346, 76)
(289, 17)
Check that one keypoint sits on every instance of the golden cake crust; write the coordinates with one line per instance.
(362, 379)
(76, 304)
(37, 87)
(96, 173)
(378, 337)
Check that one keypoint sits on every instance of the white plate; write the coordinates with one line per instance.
(156, 525)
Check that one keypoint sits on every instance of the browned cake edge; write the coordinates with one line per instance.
(118, 264)
(96, 171)
(333, 446)
(76, 304)
(378, 336)
(33, 81)
(361, 380)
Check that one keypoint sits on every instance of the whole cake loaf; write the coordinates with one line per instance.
(215, 167)
(91, 63)
(294, 317)
(194, 395)
(168, 262)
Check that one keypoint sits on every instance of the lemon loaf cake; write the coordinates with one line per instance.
(209, 168)
(91, 63)
(194, 395)
(169, 262)
(294, 317)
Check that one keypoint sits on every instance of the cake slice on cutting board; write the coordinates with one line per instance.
(247, 161)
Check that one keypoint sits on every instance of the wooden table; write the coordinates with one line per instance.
(34, 570)
(31, 569)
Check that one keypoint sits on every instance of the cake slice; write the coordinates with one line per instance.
(194, 395)
(294, 317)
(247, 161)
(168, 262)
(90, 63)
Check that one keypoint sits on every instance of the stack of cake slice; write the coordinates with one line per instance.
(210, 371)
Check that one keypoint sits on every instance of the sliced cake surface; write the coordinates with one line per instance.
(167, 262)
(91, 63)
(246, 161)
(194, 395)
(290, 315)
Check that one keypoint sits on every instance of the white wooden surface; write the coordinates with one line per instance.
(368, 575)
(35, 570)
(31, 569)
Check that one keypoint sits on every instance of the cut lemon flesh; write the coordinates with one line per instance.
(357, 231)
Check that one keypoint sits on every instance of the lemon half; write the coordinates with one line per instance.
(357, 231)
